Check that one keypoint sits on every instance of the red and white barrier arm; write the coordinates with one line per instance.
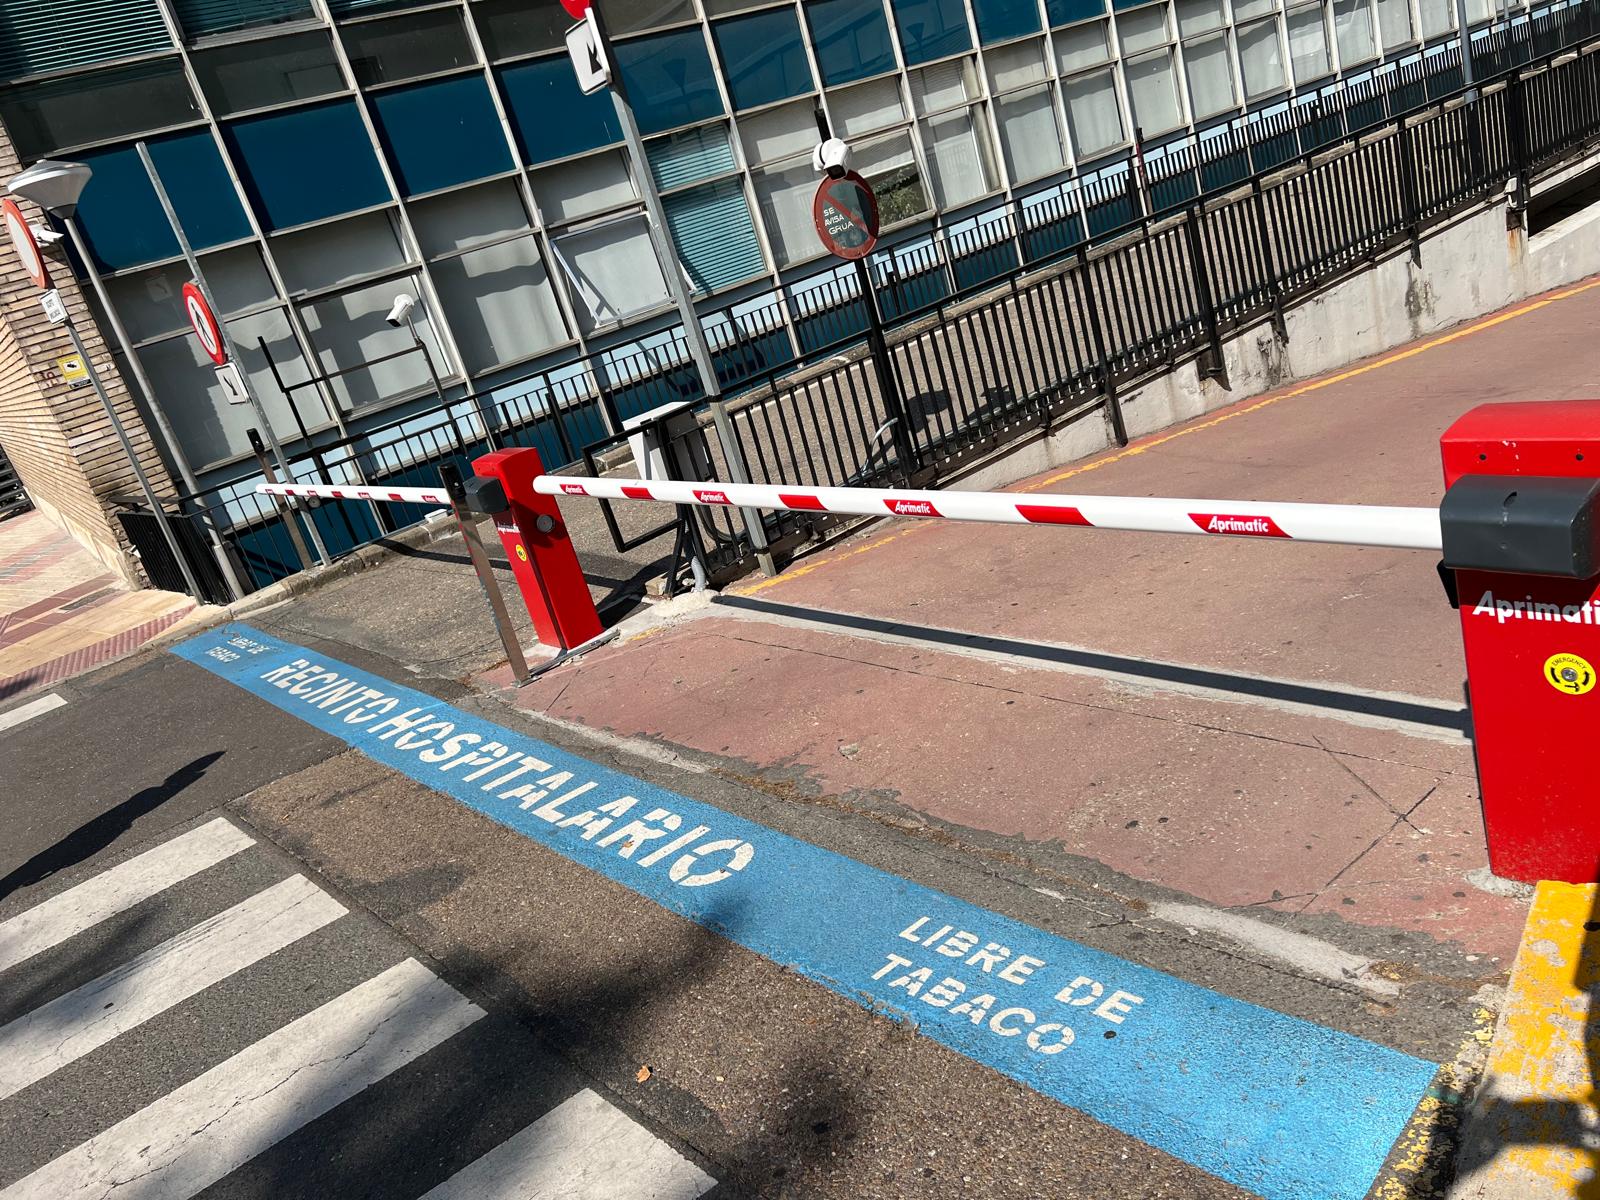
(352, 491)
(1348, 524)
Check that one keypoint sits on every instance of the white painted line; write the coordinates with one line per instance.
(30, 710)
(1309, 955)
(583, 1149)
(86, 1018)
(78, 908)
(215, 1123)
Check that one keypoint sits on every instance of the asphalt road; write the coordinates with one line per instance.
(722, 1060)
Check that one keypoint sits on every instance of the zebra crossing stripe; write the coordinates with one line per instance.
(70, 1026)
(583, 1149)
(78, 908)
(220, 1120)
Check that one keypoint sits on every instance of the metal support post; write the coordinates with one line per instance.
(468, 523)
(883, 366)
(1108, 383)
(1410, 200)
(1213, 365)
(1268, 260)
(222, 328)
(162, 519)
(694, 334)
(286, 511)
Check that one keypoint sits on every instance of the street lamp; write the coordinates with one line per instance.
(55, 187)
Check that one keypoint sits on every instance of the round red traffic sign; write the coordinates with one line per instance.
(205, 324)
(575, 8)
(22, 239)
(846, 215)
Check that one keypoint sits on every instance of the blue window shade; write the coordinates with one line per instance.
(1065, 12)
(690, 156)
(716, 239)
(763, 58)
(307, 164)
(851, 39)
(931, 29)
(343, 8)
(47, 35)
(439, 134)
(999, 20)
(200, 17)
(552, 118)
(669, 79)
(122, 220)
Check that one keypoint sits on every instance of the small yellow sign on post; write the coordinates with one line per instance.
(74, 371)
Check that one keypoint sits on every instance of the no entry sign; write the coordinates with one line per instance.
(846, 215)
(22, 239)
(205, 324)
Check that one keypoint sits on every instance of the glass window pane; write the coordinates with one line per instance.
(1438, 17)
(1064, 12)
(762, 57)
(958, 157)
(405, 47)
(513, 27)
(238, 278)
(552, 118)
(1352, 25)
(944, 86)
(867, 107)
(1210, 76)
(1083, 46)
(635, 16)
(499, 302)
(1153, 91)
(690, 155)
(612, 270)
(1016, 65)
(583, 187)
(352, 331)
(1308, 44)
(714, 234)
(1002, 20)
(1142, 29)
(1199, 16)
(1261, 59)
(100, 107)
(1093, 115)
(1030, 134)
(669, 80)
(441, 133)
(328, 255)
(891, 168)
(308, 163)
(457, 220)
(202, 17)
(150, 301)
(1244, 10)
(851, 39)
(931, 29)
(785, 197)
(778, 133)
(1394, 22)
(258, 74)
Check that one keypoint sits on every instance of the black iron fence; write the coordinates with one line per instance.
(13, 498)
(1031, 314)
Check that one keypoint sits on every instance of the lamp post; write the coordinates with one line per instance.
(55, 187)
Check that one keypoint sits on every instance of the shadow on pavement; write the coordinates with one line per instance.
(95, 835)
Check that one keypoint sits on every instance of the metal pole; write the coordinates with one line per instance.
(133, 459)
(1466, 49)
(694, 334)
(222, 326)
(468, 521)
(168, 434)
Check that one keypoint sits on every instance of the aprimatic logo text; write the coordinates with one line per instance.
(912, 508)
(1238, 526)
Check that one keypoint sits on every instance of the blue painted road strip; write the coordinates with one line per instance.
(1288, 1109)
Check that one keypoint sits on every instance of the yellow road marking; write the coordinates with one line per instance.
(1150, 443)
(1538, 1101)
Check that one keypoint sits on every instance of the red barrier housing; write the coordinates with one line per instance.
(540, 551)
(1533, 646)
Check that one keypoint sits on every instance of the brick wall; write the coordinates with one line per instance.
(58, 436)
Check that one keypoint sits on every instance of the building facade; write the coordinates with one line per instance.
(324, 156)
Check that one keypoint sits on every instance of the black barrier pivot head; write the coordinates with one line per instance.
(486, 495)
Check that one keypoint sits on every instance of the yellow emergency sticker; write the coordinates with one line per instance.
(1570, 673)
(522, 553)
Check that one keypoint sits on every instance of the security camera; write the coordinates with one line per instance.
(403, 304)
(832, 157)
